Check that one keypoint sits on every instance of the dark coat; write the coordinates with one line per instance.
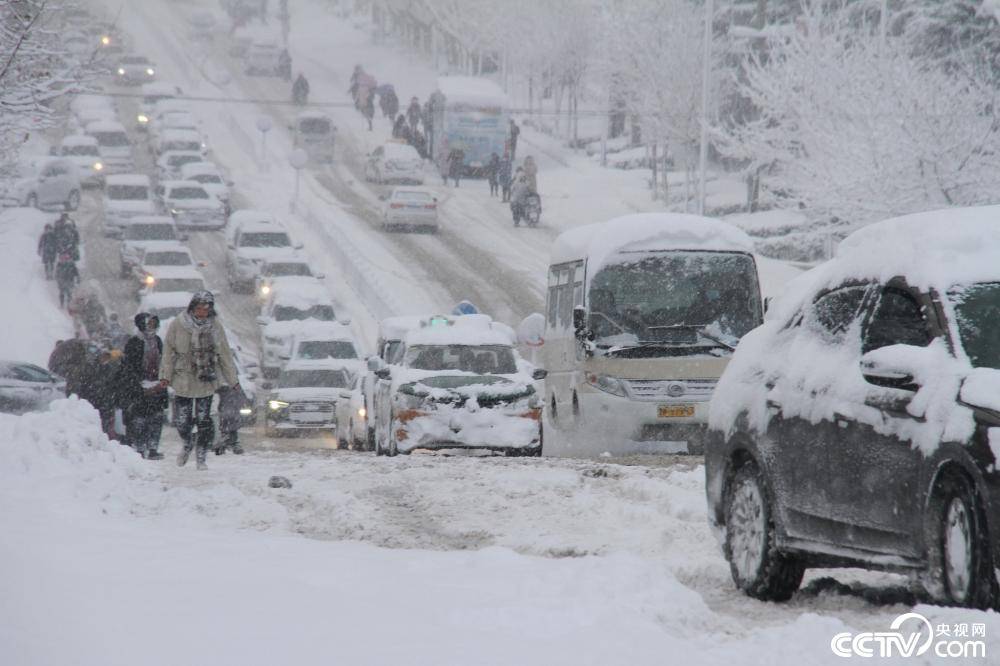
(133, 396)
(389, 103)
(66, 238)
(67, 274)
(456, 161)
(504, 172)
(493, 169)
(231, 401)
(47, 245)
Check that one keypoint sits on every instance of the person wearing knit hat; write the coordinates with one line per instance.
(144, 400)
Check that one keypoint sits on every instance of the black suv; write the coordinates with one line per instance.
(854, 428)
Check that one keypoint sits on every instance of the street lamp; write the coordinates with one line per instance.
(298, 159)
(263, 126)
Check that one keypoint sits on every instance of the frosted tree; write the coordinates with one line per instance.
(857, 129)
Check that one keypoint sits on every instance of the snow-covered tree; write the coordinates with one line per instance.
(858, 130)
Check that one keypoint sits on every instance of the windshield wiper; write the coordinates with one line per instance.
(700, 329)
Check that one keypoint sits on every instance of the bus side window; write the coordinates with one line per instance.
(552, 299)
(578, 285)
(565, 289)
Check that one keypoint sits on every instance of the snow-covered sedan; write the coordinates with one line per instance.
(290, 314)
(165, 255)
(126, 196)
(305, 398)
(171, 278)
(290, 268)
(169, 164)
(410, 207)
(83, 151)
(114, 145)
(251, 244)
(143, 233)
(395, 162)
(179, 140)
(210, 178)
(151, 94)
(191, 206)
(135, 70)
(460, 384)
(26, 387)
(55, 185)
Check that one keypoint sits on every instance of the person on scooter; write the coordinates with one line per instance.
(300, 90)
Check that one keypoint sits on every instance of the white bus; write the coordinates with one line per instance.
(642, 315)
(469, 114)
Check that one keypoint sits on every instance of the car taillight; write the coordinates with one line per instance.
(396, 205)
(430, 206)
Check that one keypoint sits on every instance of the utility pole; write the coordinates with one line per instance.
(706, 80)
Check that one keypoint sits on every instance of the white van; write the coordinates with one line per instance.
(642, 315)
(114, 145)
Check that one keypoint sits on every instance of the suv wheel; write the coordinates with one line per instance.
(73, 202)
(960, 571)
(756, 565)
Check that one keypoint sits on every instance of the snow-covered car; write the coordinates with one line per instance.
(151, 94)
(252, 244)
(289, 267)
(165, 305)
(91, 109)
(25, 387)
(172, 139)
(263, 58)
(134, 70)
(210, 178)
(395, 162)
(328, 340)
(352, 419)
(460, 384)
(245, 216)
(410, 207)
(856, 426)
(83, 151)
(156, 113)
(305, 398)
(174, 120)
(161, 279)
(126, 196)
(55, 185)
(290, 314)
(114, 144)
(191, 205)
(169, 164)
(154, 258)
(314, 132)
(144, 233)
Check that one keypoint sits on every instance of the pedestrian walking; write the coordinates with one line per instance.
(231, 402)
(399, 128)
(196, 358)
(47, 251)
(413, 113)
(144, 399)
(67, 277)
(493, 174)
(388, 101)
(67, 237)
(368, 108)
(505, 177)
(102, 388)
(531, 174)
(456, 163)
(514, 132)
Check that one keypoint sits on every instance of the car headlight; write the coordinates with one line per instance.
(121, 71)
(265, 290)
(98, 166)
(606, 383)
(174, 211)
(276, 405)
(142, 118)
(149, 70)
(246, 411)
(105, 40)
(149, 280)
(362, 412)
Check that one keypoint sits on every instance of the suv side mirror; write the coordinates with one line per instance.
(896, 366)
(539, 373)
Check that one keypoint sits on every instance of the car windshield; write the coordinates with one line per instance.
(85, 149)
(111, 139)
(167, 259)
(286, 270)
(480, 359)
(291, 313)
(265, 239)
(204, 178)
(150, 232)
(188, 193)
(127, 192)
(135, 60)
(29, 373)
(661, 299)
(177, 161)
(179, 284)
(314, 125)
(164, 314)
(181, 145)
(320, 349)
(314, 378)
(977, 309)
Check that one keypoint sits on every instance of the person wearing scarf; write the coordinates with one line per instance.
(196, 360)
(144, 399)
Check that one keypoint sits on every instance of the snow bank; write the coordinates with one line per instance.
(34, 321)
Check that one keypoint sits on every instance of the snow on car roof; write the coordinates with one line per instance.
(256, 227)
(79, 140)
(302, 299)
(165, 299)
(105, 126)
(471, 90)
(325, 330)
(171, 184)
(647, 231)
(396, 328)
(285, 256)
(165, 157)
(397, 150)
(160, 272)
(248, 215)
(150, 219)
(128, 179)
(170, 246)
(199, 168)
(457, 335)
(179, 134)
(313, 115)
(349, 365)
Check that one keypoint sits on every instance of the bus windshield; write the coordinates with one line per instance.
(681, 298)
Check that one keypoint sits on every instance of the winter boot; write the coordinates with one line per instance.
(153, 454)
(219, 450)
(182, 458)
(202, 466)
(237, 449)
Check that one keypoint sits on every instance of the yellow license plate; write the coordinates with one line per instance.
(675, 411)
